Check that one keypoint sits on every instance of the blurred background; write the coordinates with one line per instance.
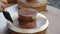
(54, 3)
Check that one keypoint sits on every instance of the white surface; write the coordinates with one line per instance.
(3, 21)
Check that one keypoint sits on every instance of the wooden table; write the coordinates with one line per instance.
(53, 14)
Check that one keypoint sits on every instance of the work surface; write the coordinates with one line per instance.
(53, 15)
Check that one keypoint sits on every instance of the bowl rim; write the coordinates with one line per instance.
(35, 5)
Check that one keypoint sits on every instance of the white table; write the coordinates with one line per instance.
(53, 14)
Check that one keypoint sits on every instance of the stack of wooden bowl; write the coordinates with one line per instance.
(40, 8)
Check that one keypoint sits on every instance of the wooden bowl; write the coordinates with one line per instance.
(40, 29)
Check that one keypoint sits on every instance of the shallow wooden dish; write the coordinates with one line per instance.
(40, 29)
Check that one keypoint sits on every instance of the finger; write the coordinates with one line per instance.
(4, 1)
(3, 5)
(1, 9)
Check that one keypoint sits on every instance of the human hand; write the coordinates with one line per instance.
(3, 4)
